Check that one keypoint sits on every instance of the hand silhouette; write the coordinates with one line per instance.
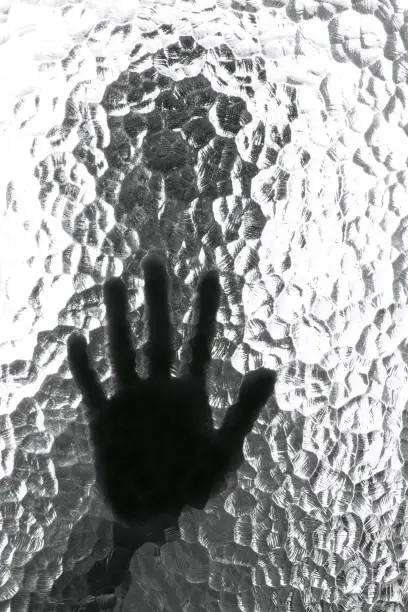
(155, 447)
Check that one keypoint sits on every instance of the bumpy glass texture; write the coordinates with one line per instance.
(267, 139)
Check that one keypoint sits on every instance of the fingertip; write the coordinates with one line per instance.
(258, 385)
(211, 276)
(209, 287)
(113, 289)
(154, 260)
(77, 350)
(266, 376)
(76, 342)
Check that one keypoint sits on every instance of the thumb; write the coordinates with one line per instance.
(255, 390)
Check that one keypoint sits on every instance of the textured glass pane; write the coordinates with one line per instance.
(267, 139)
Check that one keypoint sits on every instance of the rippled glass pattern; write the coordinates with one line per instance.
(267, 138)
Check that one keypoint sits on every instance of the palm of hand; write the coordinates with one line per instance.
(155, 447)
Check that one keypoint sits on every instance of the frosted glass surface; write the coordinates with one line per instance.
(268, 139)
